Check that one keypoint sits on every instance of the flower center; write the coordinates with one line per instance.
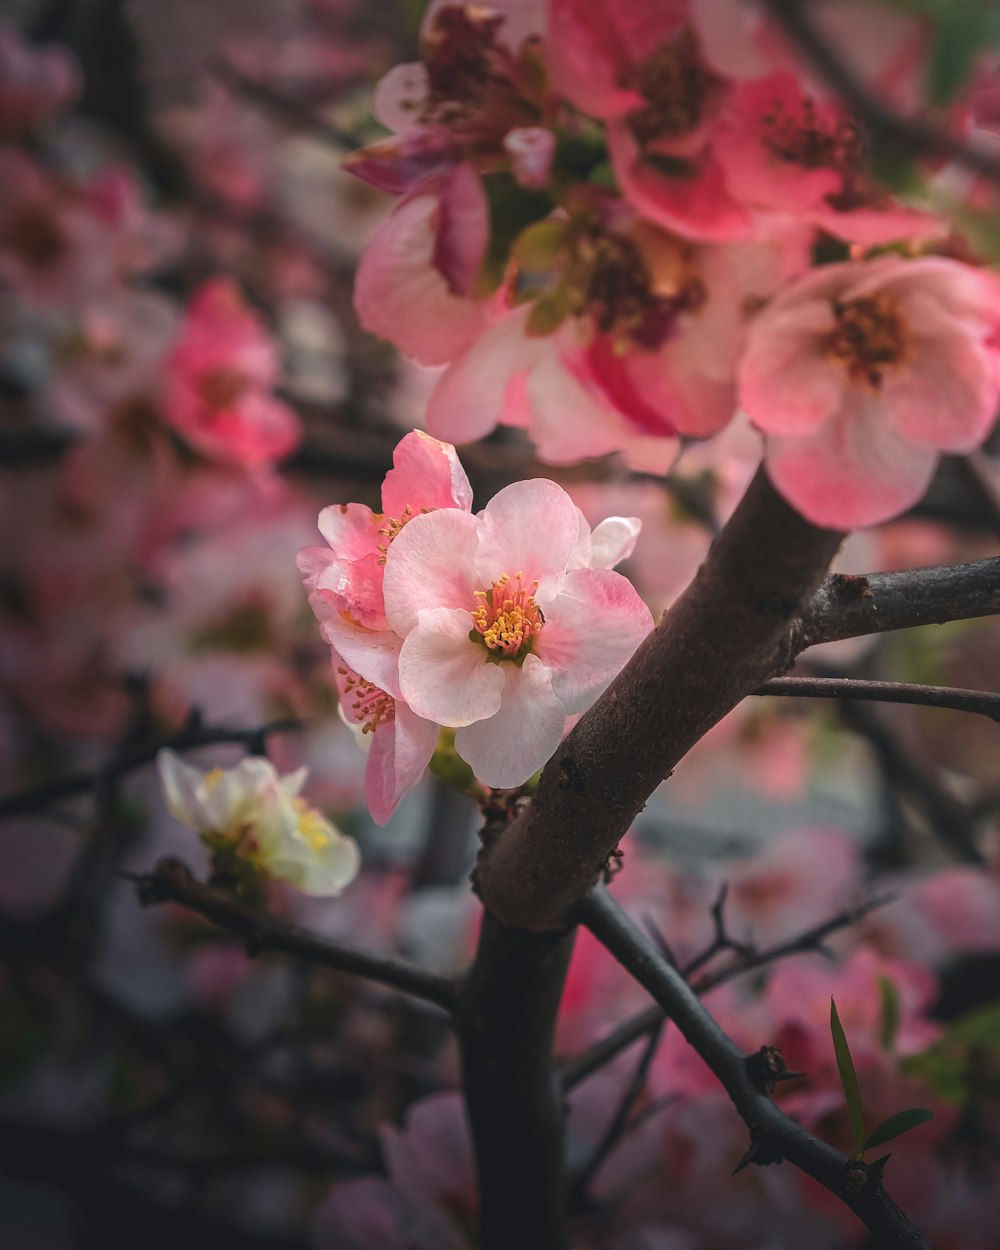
(220, 388)
(807, 139)
(369, 706)
(312, 826)
(507, 619)
(677, 84)
(870, 338)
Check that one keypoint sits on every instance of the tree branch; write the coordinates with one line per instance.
(588, 1061)
(171, 882)
(773, 1135)
(505, 1018)
(716, 645)
(189, 739)
(848, 606)
(983, 702)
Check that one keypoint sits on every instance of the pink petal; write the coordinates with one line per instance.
(530, 527)
(446, 677)
(590, 631)
(946, 395)
(509, 747)
(470, 398)
(463, 230)
(430, 565)
(351, 529)
(401, 296)
(694, 203)
(397, 761)
(786, 385)
(353, 587)
(400, 95)
(425, 474)
(857, 470)
(374, 654)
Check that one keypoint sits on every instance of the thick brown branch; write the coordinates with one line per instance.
(505, 1018)
(984, 702)
(172, 882)
(773, 1135)
(716, 645)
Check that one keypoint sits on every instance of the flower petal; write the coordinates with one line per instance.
(590, 632)
(509, 747)
(397, 761)
(857, 470)
(430, 565)
(530, 527)
(446, 677)
(426, 473)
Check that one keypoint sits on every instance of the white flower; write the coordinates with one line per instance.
(259, 815)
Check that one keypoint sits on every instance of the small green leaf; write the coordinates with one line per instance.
(849, 1080)
(547, 315)
(897, 1124)
(537, 247)
(890, 1012)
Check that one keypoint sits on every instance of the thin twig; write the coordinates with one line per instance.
(983, 702)
(620, 1121)
(813, 939)
(291, 113)
(189, 739)
(773, 1135)
(171, 881)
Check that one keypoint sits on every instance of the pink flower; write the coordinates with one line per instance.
(647, 349)
(219, 378)
(784, 150)
(401, 744)
(502, 637)
(861, 373)
(344, 580)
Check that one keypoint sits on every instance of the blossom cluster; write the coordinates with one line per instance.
(499, 625)
(618, 225)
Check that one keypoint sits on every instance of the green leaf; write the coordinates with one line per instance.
(537, 247)
(890, 1012)
(964, 32)
(952, 1066)
(547, 315)
(512, 209)
(849, 1080)
(898, 1124)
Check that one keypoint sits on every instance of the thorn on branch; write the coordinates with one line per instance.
(760, 1153)
(767, 1067)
